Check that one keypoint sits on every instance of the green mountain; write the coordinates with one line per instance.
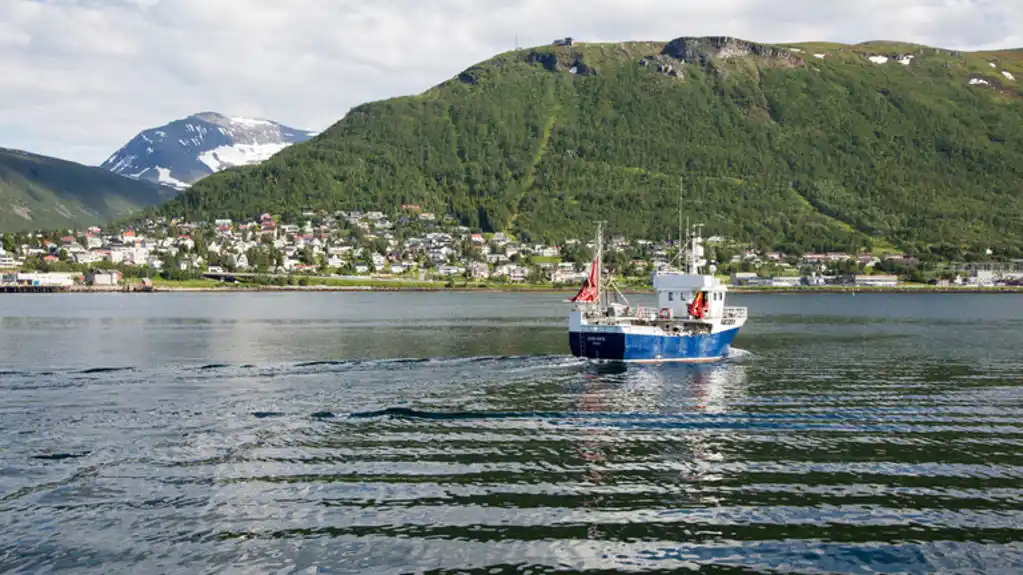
(804, 146)
(39, 192)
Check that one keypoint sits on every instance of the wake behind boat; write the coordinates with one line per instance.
(690, 323)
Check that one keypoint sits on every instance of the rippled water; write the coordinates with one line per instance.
(441, 432)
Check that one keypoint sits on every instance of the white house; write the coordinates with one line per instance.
(570, 276)
(448, 270)
(512, 272)
(87, 258)
(241, 261)
(479, 270)
(103, 277)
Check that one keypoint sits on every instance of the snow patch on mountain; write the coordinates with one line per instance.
(119, 163)
(251, 122)
(165, 178)
(184, 151)
(239, 155)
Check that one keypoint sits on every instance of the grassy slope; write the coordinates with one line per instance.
(821, 153)
(38, 192)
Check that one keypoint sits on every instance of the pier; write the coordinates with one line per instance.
(9, 288)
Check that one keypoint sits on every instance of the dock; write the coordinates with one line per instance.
(9, 288)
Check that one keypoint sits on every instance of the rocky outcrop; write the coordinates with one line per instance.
(471, 76)
(701, 51)
(663, 64)
(548, 60)
(560, 61)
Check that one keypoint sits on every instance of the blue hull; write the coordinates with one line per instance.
(651, 348)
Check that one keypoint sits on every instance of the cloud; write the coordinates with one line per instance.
(81, 77)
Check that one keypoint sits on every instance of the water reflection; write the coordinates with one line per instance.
(659, 415)
(668, 388)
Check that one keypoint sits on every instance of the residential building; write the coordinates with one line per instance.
(511, 272)
(449, 270)
(479, 270)
(103, 277)
(860, 280)
(786, 281)
(744, 278)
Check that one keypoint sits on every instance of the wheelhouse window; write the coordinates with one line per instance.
(671, 296)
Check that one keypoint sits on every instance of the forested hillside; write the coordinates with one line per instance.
(811, 146)
(40, 192)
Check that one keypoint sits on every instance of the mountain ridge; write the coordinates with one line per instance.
(814, 145)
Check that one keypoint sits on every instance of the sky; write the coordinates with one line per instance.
(79, 78)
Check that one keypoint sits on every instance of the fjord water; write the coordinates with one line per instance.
(345, 432)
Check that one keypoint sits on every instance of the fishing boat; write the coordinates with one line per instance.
(690, 323)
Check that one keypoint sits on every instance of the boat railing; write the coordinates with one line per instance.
(734, 313)
(646, 314)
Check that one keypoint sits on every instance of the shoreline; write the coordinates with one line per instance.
(922, 289)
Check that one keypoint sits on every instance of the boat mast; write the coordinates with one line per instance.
(681, 259)
(600, 262)
(695, 259)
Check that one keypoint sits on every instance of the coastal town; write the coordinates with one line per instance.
(416, 247)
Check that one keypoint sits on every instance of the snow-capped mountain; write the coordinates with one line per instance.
(184, 151)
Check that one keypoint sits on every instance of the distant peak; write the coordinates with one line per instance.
(222, 120)
(186, 149)
(209, 116)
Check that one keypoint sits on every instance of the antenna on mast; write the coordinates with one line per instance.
(689, 258)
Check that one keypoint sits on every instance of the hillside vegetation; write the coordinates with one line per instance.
(39, 192)
(811, 146)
